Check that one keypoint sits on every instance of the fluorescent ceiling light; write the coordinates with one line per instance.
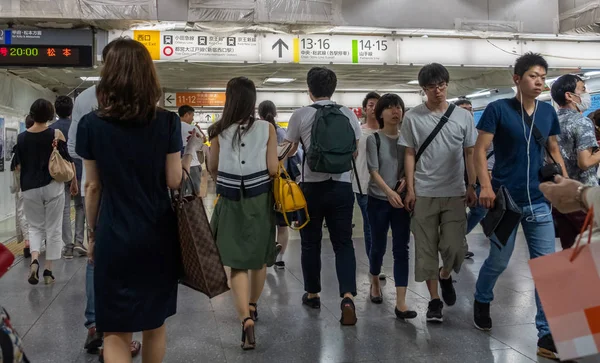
(549, 81)
(90, 79)
(479, 94)
(413, 82)
(452, 100)
(279, 80)
(592, 73)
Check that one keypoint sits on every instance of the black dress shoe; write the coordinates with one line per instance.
(376, 299)
(408, 314)
(314, 302)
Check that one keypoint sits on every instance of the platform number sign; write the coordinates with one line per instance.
(346, 49)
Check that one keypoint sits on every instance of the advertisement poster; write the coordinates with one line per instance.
(10, 142)
(2, 144)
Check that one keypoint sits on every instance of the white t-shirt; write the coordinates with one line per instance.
(185, 133)
(300, 127)
(361, 163)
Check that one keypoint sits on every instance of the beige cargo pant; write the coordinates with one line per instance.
(439, 226)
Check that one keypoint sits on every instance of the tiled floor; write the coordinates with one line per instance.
(51, 318)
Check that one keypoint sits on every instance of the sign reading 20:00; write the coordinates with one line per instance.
(45, 56)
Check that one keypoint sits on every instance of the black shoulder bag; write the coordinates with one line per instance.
(435, 131)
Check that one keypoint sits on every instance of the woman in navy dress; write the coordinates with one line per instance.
(132, 153)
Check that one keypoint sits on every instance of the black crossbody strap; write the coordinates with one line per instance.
(490, 154)
(536, 132)
(435, 131)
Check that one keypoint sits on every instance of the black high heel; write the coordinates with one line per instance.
(248, 338)
(254, 314)
(34, 272)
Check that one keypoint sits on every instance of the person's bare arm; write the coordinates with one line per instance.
(586, 159)
(470, 165)
(213, 157)
(272, 158)
(93, 190)
(173, 169)
(409, 170)
(393, 197)
(554, 150)
(487, 195)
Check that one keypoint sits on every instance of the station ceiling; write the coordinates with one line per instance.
(184, 76)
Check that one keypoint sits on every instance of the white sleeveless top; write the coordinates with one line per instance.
(243, 164)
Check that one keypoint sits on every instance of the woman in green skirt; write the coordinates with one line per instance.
(243, 160)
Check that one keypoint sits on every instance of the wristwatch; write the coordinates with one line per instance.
(474, 186)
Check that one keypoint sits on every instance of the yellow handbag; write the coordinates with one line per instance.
(288, 196)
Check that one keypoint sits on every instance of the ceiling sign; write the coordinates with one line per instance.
(345, 49)
(204, 47)
(46, 48)
(281, 48)
(195, 99)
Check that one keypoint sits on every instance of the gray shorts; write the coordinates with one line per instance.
(439, 226)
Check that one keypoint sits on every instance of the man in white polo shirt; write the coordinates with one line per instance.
(329, 195)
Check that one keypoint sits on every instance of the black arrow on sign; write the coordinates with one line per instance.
(280, 43)
(169, 99)
(208, 117)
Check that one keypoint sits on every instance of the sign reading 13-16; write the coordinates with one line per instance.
(345, 49)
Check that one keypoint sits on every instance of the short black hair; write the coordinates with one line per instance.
(183, 110)
(528, 60)
(463, 101)
(63, 106)
(433, 73)
(321, 82)
(370, 96)
(386, 101)
(41, 111)
(564, 84)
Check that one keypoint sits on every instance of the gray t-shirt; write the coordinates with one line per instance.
(388, 162)
(440, 171)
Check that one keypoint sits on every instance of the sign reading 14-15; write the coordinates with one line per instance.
(346, 49)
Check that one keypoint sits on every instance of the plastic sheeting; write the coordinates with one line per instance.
(581, 20)
(80, 9)
(18, 94)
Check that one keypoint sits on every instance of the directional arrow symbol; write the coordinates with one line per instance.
(208, 118)
(280, 43)
(169, 99)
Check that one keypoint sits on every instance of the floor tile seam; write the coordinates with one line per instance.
(476, 351)
(52, 302)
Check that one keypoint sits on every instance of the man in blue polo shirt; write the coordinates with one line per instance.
(519, 158)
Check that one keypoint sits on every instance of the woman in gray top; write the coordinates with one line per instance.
(385, 160)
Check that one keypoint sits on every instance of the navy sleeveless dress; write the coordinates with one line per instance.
(136, 256)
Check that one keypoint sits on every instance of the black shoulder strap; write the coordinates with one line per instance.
(536, 132)
(491, 153)
(435, 131)
(377, 141)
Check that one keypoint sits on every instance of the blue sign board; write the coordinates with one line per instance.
(595, 104)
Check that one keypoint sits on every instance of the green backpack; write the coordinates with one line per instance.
(333, 141)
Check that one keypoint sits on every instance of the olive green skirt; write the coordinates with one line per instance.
(245, 231)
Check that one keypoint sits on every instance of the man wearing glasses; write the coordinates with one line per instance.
(438, 137)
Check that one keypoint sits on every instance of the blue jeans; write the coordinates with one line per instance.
(539, 234)
(476, 214)
(362, 201)
(90, 310)
(381, 216)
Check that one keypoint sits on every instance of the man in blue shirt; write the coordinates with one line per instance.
(64, 108)
(519, 158)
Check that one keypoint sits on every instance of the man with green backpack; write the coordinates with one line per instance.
(329, 135)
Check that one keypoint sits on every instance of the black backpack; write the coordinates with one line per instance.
(333, 141)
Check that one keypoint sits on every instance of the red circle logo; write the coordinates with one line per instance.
(168, 51)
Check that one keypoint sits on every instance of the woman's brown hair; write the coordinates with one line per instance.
(129, 89)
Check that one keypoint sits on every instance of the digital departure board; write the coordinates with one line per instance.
(45, 56)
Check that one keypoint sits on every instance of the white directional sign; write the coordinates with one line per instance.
(204, 47)
(170, 100)
(347, 49)
(277, 48)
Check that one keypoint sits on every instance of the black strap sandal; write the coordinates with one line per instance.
(34, 270)
(248, 339)
(254, 313)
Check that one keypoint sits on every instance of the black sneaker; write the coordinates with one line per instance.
(448, 292)
(546, 347)
(434, 311)
(68, 253)
(279, 265)
(469, 255)
(314, 302)
(481, 316)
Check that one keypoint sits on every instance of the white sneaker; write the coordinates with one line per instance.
(382, 275)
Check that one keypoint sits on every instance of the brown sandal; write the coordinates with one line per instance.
(248, 339)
